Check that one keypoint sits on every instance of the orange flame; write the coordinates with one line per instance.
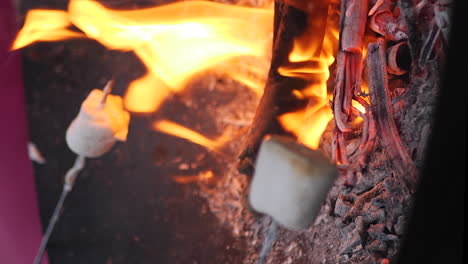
(174, 41)
(44, 25)
(309, 124)
(177, 130)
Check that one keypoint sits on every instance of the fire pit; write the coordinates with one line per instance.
(205, 83)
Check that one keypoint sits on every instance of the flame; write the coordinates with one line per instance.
(202, 176)
(177, 130)
(309, 124)
(45, 25)
(173, 41)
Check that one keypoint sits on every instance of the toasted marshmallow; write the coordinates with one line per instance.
(290, 182)
(98, 125)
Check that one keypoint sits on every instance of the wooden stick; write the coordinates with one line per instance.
(354, 17)
(68, 184)
(106, 91)
(349, 65)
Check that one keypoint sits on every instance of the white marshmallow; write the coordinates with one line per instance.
(290, 182)
(35, 154)
(97, 127)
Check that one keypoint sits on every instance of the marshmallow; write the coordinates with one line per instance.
(98, 125)
(290, 182)
(34, 154)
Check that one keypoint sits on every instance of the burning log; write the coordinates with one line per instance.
(383, 112)
(349, 65)
(278, 98)
(353, 21)
(368, 137)
(354, 17)
(348, 77)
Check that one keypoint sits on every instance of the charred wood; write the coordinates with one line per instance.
(409, 16)
(383, 113)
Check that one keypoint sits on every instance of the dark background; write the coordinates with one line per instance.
(436, 231)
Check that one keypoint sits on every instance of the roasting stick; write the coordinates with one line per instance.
(268, 242)
(99, 124)
(106, 91)
(70, 178)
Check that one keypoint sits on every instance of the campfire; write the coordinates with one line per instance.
(298, 128)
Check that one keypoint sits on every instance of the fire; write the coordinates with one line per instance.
(174, 41)
(45, 25)
(177, 130)
(312, 62)
(358, 106)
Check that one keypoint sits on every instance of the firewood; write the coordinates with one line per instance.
(354, 17)
(366, 145)
(348, 77)
(398, 59)
(428, 46)
(349, 65)
(387, 25)
(383, 113)
(362, 199)
(408, 12)
(278, 97)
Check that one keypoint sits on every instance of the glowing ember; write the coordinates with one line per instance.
(308, 124)
(174, 41)
(177, 130)
(358, 106)
(202, 176)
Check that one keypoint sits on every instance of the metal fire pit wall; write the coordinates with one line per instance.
(20, 230)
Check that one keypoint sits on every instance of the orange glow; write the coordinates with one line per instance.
(202, 176)
(45, 25)
(358, 106)
(177, 130)
(174, 41)
(308, 124)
